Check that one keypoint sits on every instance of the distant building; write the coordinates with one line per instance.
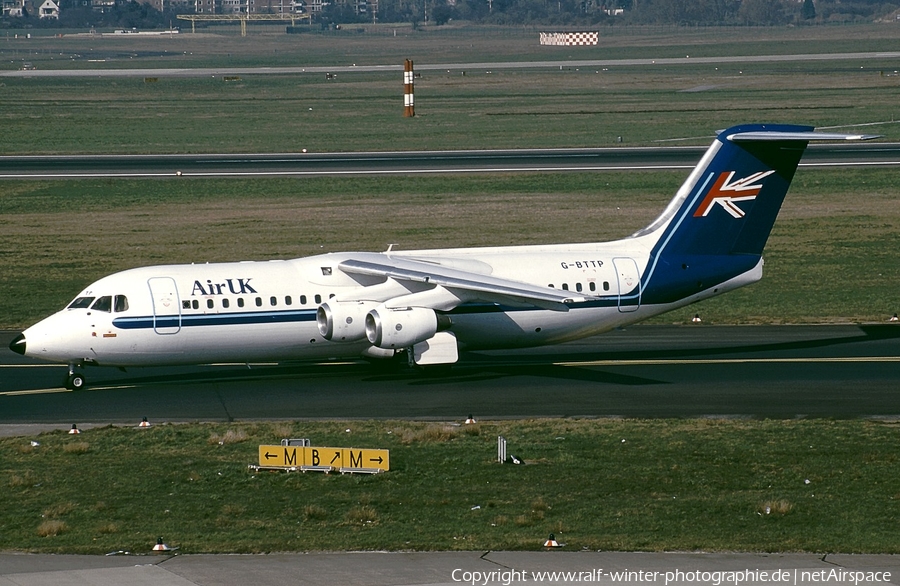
(208, 7)
(230, 6)
(13, 7)
(236, 6)
(102, 6)
(367, 7)
(49, 9)
(180, 6)
(279, 7)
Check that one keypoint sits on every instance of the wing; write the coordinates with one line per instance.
(431, 283)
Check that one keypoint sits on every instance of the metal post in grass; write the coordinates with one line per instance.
(501, 449)
(409, 109)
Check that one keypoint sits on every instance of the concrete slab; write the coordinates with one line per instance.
(140, 575)
(347, 569)
(455, 569)
(23, 563)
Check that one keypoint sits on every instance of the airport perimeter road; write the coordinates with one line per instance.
(644, 371)
(412, 162)
(454, 569)
(487, 66)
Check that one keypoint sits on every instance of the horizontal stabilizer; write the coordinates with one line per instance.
(804, 136)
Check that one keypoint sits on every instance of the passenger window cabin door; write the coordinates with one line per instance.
(629, 278)
(166, 305)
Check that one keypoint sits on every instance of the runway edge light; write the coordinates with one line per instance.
(144, 423)
(552, 542)
(74, 430)
(161, 546)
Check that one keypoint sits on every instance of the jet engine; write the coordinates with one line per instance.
(403, 328)
(343, 321)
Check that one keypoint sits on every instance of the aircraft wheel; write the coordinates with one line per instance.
(393, 365)
(75, 381)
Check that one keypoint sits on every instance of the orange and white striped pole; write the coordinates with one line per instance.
(409, 108)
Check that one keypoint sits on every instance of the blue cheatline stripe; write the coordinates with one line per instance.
(476, 308)
(216, 319)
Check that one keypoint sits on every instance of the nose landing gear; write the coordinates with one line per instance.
(75, 380)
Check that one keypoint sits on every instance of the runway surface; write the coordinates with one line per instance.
(644, 371)
(411, 162)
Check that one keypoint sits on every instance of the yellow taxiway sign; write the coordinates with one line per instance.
(336, 458)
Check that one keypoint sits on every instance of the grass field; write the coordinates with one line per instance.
(710, 485)
(367, 44)
(503, 108)
(831, 256)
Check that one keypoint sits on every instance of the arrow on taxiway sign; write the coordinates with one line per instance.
(279, 456)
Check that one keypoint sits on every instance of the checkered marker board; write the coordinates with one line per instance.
(568, 39)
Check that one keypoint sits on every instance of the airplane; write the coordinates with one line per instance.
(432, 304)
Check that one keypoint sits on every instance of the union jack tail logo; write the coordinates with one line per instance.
(726, 192)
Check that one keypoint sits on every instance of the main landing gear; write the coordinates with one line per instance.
(75, 380)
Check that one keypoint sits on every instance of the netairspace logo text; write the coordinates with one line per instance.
(675, 577)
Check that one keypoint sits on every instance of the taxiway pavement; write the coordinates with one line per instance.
(643, 371)
(490, 568)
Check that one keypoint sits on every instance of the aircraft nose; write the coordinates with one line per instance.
(18, 344)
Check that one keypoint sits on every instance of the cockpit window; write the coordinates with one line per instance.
(121, 303)
(103, 304)
(81, 303)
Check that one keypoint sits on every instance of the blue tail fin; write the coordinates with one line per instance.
(717, 225)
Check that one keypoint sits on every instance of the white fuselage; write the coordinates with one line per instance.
(266, 311)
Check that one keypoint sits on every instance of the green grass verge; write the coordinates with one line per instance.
(711, 485)
(831, 256)
(455, 109)
(500, 109)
